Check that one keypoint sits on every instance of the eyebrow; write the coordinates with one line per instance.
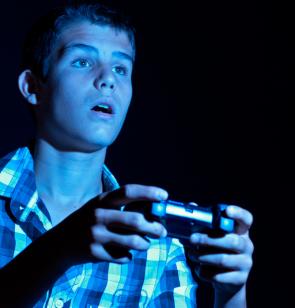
(92, 49)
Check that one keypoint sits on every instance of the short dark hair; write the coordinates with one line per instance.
(41, 39)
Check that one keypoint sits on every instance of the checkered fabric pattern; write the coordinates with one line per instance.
(158, 277)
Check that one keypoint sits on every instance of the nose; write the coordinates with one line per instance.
(105, 81)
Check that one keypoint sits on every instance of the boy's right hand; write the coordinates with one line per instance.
(100, 231)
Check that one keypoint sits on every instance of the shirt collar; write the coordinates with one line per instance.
(17, 182)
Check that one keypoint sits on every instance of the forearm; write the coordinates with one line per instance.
(27, 277)
(237, 300)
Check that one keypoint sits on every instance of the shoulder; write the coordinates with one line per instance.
(5, 159)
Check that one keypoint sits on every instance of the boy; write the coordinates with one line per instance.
(64, 241)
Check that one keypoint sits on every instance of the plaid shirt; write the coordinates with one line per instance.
(154, 278)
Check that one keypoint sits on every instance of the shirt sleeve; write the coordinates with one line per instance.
(176, 287)
(7, 235)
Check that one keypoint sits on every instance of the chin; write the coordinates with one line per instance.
(95, 145)
(84, 146)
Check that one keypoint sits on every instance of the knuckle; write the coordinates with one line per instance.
(124, 241)
(249, 263)
(158, 228)
(127, 190)
(100, 214)
(234, 241)
(97, 234)
(95, 251)
(136, 219)
(243, 277)
(94, 232)
(134, 241)
(251, 247)
(250, 219)
(223, 260)
(202, 239)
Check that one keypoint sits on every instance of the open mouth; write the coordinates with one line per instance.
(104, 108)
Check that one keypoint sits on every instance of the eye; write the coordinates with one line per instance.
(80, 63)
(121, 70)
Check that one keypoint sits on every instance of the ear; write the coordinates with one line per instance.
(28, 86)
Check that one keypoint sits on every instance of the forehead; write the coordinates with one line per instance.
(99, 36)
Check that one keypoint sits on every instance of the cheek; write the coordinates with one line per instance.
(66, 96)
(127, 95)
(124, 97)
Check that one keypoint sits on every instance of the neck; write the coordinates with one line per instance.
(67, 177)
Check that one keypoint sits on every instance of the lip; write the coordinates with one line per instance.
(103, 116)
(98, 115)
(109, 103)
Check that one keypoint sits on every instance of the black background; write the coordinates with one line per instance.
(210, 119)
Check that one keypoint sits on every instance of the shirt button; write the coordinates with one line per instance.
(59, 303)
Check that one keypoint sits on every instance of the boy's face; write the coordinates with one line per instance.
(85, 98)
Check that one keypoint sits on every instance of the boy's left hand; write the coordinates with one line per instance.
(225, 261)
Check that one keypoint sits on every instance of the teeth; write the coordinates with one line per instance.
(103, 108)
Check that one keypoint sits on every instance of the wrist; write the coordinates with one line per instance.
(61, 248)
(229, 299)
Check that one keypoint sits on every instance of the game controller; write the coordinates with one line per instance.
(183, 219)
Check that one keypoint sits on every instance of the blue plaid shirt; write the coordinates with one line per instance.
(154, 278)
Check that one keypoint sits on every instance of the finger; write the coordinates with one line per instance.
(105, 237)
(134, 192)
(227, 261)
(208, 272)
(243, 218)
(230, 242)
(131, 221)
(235, 278)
